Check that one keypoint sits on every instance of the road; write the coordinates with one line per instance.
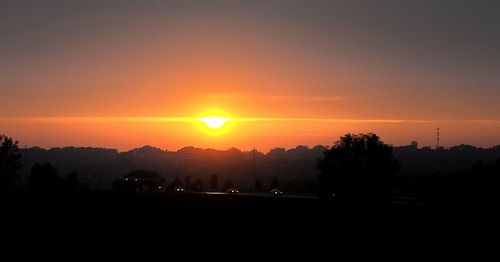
(399, 200)
(287, 196)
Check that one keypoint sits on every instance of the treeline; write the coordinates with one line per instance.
(355, 168)
(361, 169)
(98, 168)
(475, 185)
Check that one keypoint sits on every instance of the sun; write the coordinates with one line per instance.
(214, 122)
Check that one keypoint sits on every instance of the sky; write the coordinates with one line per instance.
(122, 74)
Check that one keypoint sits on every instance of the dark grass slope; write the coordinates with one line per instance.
(156, 226)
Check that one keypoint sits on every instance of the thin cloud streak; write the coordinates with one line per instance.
(306, 98)
(238, 95)
(97, 119)
(344, 120)
(290, 135)
(240, 119)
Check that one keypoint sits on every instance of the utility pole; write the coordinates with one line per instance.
(184, 165)
(437, 138)
(25, 160)
(254, 170)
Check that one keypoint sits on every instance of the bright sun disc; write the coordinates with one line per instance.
(214, 121)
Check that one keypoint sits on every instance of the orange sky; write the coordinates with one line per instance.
(293, 68)
(264, 134)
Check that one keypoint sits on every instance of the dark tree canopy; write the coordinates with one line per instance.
(275, 183)
(44, 178)
(177, 182)
(227, 185)
(72, 181)
(214, 182)
(257, 184)
(187, 182)
(198, 185)
(10, 162)
(358, 168)
(144, 174)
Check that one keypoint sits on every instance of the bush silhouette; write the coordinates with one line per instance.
(275, 183)
(71, 182)
(227, 185)
(214, 182)
(44, 178)
(176, 183)
(198, 186)
(358, 168)
(187, 183)
(257, 184)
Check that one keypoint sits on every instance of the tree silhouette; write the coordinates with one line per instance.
(227, 185)
(71, 182)
(187, 182)
(44, 178)
(358, 168)
(275, 183)
(214, 182)
(198, 185)
(480, 182)
(257, 184)
(10, 162)
(176, 182)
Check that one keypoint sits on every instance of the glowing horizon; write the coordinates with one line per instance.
(173, 133)
(236, 119)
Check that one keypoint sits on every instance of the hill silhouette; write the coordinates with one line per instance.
(295, 168)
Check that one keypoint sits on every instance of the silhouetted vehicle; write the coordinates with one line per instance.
(233, 190)
(276, 192)
(178, 189)
(331, 196)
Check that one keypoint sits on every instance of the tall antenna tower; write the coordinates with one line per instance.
(254, 152)
(437, 138)
(25, 160)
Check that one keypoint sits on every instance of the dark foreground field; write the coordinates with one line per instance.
(90, 221)
(164, 211)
